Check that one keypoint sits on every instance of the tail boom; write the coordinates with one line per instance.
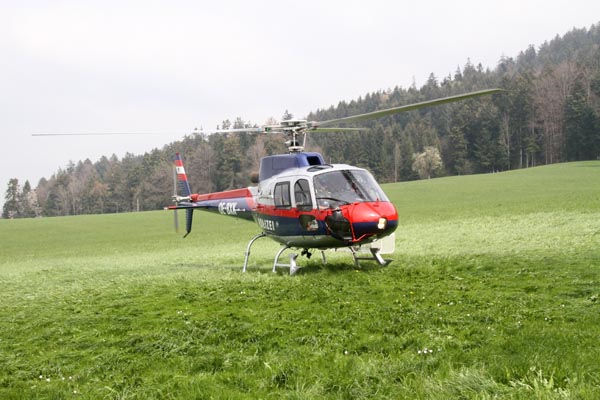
(236, 203)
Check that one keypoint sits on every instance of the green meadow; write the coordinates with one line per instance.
(493, 293)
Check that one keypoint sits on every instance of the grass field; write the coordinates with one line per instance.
(493, 293)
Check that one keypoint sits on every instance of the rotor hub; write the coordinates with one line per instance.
(296, 131)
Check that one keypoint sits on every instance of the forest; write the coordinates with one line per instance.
(550, 113)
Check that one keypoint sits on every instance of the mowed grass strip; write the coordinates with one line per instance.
(493, 293)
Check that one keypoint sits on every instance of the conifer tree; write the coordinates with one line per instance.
(12, 208)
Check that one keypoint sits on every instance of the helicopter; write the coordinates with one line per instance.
(304, 203)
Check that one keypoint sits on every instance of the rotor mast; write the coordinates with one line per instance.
(296, 131)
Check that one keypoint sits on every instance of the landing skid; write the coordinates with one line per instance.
(293, 266)
(375, 256)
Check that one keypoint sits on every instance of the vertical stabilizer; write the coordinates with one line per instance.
(188, 221)
(182, 180)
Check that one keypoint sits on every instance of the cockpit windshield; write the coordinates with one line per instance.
(337, 188)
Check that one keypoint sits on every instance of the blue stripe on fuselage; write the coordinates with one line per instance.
(286, 226)
(234, 207)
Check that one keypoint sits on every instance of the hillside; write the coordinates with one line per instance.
(493, 292)
(551, 188)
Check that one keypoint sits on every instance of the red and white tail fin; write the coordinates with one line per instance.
(183, 187)
(182, 180)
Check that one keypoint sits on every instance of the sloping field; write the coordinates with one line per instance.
(493, 293)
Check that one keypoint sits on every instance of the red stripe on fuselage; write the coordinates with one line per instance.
(288, 212)
(357, 212)
(229, 194)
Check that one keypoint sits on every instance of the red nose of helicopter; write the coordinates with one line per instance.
(372, 219)
(363, 222)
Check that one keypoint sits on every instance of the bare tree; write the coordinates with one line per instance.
(552, 89)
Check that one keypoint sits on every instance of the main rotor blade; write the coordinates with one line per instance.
(238, 130)
(408, 107)
(339, 129)
(106, 133)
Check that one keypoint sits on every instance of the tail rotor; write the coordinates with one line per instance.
(175, 213)
(181, 186)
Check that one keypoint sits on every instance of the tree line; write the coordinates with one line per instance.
(550, 113)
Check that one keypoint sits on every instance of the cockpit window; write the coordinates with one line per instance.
(337, 188)
(302, 195)
(282, 195)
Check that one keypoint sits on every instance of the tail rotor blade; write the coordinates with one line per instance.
(175, 214)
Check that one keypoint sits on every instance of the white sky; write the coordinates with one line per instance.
(170, 66)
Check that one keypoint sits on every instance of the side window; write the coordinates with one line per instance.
(282, 195)
(302, 195)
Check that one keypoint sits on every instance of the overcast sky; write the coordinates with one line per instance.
(170, 66)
